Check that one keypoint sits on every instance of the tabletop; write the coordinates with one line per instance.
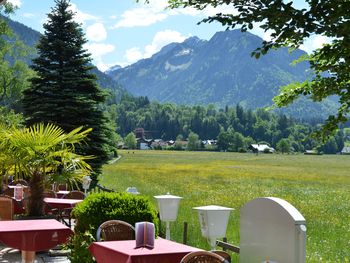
(61, 203)
(164, 251)
(33, 235)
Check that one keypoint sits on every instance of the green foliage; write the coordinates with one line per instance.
(101, 207)
(193, 142)
(78, 245)
(64, 91)
(42, 154)
(289, 26)
(283, 146)
(9, 118)
(14, 73)
(130, 141)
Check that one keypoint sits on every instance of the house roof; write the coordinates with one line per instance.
(262, 147)
(346, 149)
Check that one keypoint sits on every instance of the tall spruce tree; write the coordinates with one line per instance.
(65, 91)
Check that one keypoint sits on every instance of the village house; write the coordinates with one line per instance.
(345, 150)
(261, 148)
(144, 144)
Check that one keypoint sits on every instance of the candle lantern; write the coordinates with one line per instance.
(86, 183)
(168, 207)
(18, 192)
(213, 220)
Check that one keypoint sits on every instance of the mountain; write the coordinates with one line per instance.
(31, 37)
(219, 71)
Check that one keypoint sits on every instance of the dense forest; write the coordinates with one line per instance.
(234, 128)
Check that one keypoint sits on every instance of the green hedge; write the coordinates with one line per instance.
(100, 207)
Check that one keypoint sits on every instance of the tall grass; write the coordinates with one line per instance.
(318, 186)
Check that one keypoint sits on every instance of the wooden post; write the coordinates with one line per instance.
(228, 246)
(185, 233)
(224, 240)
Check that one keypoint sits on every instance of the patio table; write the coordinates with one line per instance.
(164, 251)
(60, 203)
(33, 235)
(64, 207)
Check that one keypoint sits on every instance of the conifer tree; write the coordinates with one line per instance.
(65, 91)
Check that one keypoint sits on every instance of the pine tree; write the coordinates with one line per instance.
(65, 91)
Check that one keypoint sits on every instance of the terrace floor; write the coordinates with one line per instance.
(10, 255)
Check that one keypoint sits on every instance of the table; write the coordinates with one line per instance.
(164, 251)
(33, 235)
(64, 207)
(60, 203)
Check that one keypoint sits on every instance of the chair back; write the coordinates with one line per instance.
(62, 187)
(50, 194)
(18, 207)
(115, 230)
(202, 257)
(6, 208)
(19, 181)
(74, 195)
(223, 254)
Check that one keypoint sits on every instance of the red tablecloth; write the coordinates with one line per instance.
(60, 203)
(164, 251)
(18, 207)
(33, 235)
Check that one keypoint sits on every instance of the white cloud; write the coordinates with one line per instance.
(17, 3)
(140, 17)
(28, 15)
(96, 32)
(81, 17)
(160, 40)
(155, 11)
(315, 42)
(103, 67)
(133, 54)
(98, 50)
(190, 11)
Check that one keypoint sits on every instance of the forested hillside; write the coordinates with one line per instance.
(234, 127)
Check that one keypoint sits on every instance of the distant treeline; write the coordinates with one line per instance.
(234, 127)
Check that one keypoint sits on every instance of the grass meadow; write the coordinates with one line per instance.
(318, 186)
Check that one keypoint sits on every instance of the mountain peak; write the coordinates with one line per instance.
(194, 41)
(113, 68)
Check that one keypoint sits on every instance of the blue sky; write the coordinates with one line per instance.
(120, 32)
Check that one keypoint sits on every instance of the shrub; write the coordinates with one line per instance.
(100, 207)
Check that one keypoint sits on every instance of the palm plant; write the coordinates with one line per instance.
(43, 154)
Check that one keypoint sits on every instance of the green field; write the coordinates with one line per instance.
(318, 186)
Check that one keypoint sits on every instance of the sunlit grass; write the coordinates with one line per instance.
(318, 186)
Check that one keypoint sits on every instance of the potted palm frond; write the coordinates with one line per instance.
(43, 154)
